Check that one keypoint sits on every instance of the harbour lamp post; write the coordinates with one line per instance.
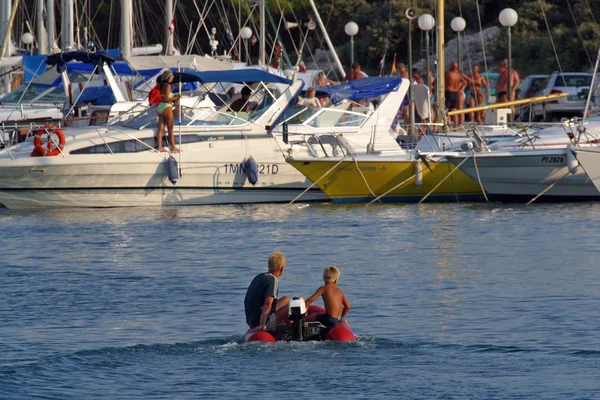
(27, 39)
(508, 18)
(246, 33)
(458, 24)
(426, 23)
(351, 30)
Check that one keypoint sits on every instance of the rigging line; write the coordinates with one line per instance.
(466, 46)
(479, 179)
(592, 15)
(549, 187)
(446, 177)
(289, 31)
(387, 40)
(110, 18)
(482, 43)
(552, 42)
(141, 34)
(320, 42)
(330, 12)
(579, 33)
(201, 14)
(394, 188)
(318, 180)
(363, 176)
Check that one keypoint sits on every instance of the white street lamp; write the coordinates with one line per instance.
(426, 23)
(508, 18)
(351, 30)
(27, 39)
(246, 33)
(458, 24)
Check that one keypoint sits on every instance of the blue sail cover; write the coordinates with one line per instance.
(61, 59)
(364, 88)
(230, 76)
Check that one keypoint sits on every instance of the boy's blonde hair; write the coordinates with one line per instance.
(276, 261)
(331, 274)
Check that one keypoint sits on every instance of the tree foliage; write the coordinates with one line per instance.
(564, 36)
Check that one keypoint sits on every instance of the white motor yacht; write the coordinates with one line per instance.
(541, 163)
(222, 154)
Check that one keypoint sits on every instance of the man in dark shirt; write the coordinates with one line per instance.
(264, 310)
(242, 104)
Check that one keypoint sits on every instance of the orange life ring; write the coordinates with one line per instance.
(49, 150)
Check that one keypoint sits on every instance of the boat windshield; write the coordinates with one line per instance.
(326, 117)
(35, 92)
(209, 111)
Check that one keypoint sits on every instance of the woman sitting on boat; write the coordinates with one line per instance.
(165, 112)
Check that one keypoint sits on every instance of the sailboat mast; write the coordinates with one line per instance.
(263, 33)
(7, 17)
(68, 38)
(126, 22)
(50, 25)
(42, 43)
(441, 62)
(170, 30)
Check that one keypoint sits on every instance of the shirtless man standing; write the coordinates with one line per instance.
(455, 83)
(355, 73)
(502, 83)
(476, 98)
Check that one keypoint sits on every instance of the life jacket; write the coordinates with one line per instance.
(154, 97)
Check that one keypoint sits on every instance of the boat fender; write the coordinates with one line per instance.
(252, 171)
(572, 162)
(172, 170)
(418, 174)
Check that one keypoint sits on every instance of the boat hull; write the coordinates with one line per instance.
(589, 158)
(522, 175)
(345, 182)
(211, 173)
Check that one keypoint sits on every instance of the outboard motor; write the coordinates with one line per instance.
(297, 328)
(297, 309)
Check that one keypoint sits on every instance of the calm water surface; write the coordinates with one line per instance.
(448, 301)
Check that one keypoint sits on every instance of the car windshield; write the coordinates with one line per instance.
(573, 80)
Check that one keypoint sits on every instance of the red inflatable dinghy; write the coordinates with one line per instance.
(296, 328)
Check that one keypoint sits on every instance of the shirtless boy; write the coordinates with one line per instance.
(336, 303)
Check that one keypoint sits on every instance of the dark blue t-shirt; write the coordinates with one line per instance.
(262, 285)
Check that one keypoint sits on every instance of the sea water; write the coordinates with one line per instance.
(449, 301)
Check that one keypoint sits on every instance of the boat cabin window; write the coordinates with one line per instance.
(132, 145)
(37, 92)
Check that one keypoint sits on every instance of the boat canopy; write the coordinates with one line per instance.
(364, 88)
(234, 76)
(195, 62)
(61, 59)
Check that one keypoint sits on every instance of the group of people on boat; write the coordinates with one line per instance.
(462, 89)
(265, 309)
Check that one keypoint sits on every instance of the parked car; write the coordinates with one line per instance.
(576, 84)
(530, 86)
